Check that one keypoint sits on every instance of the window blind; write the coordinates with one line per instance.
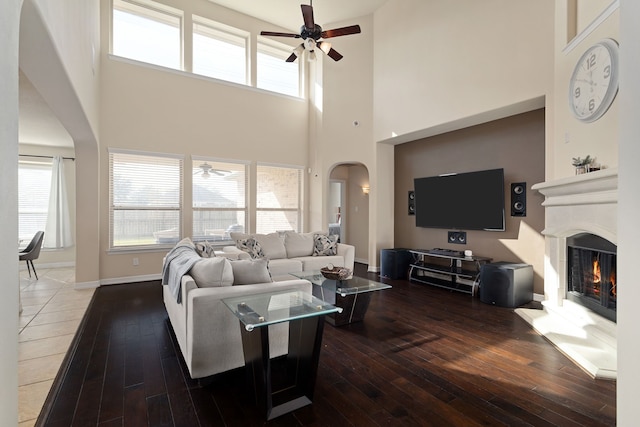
(145, 193)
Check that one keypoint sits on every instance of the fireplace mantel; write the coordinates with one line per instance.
(586, 203)
(585, 189)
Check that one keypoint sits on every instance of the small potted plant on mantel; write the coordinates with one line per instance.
(582, 165)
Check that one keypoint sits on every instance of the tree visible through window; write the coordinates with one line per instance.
(145, 193)
(279, 199)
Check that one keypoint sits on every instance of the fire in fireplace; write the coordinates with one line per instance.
(592, 273)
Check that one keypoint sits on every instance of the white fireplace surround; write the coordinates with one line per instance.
(584, 203)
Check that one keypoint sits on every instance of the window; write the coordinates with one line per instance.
(274, 73)
(219, 51)
(219, 199)
(145, 194)
(147, 31)
(34, 186)
(279, 198)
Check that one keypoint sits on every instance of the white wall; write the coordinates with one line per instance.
(150, 108)
(570, 137)
(57, 56)
(628, 208)
(9, 30)
(436, 69)
(440, 61)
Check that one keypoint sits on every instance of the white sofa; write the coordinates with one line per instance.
(290, 252)
(209, 334)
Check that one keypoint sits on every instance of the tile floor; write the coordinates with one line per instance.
(51, 313)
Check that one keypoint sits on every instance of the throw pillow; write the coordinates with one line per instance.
(250, 271)
(325, 245)
(298, 244)
(211, 272)
(205, 249)
(272, 245)
(250, 246)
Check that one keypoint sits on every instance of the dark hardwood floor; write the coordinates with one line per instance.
(423, 356)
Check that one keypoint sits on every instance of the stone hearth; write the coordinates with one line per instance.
(579, 204)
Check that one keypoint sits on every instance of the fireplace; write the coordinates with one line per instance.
(580, 288)
(591, 274)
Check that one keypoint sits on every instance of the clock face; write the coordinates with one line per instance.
(594, 82)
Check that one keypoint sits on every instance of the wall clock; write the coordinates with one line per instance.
(594, 82)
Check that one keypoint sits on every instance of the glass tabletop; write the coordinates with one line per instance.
(259, 310)
(354, 285)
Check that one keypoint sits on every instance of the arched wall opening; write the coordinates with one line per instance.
(347, 206)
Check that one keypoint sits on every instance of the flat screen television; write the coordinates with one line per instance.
(463, 201)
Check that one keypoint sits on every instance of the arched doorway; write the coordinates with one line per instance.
(348, 206)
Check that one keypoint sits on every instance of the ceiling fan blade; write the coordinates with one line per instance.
(292, 57)
(344, 31)
(327, 49)
(334, 54)
(307, 15)
(276, 34)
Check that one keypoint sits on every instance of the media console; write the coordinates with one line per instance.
(446, 268)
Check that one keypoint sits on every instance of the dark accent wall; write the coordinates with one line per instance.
(515, 144)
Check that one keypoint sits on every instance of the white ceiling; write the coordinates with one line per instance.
(287, 13)
(38, 125)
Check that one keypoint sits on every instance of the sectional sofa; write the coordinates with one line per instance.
(208, 334)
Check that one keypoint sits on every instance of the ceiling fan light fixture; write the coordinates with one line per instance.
(299, 49)
(312, 55)
(324, 46)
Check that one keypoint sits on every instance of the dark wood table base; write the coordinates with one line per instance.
(296, 388)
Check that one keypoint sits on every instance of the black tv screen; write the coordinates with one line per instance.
(464, 201)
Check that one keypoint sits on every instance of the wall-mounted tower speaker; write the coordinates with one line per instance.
(412, 202)
(519, 199)
(505, 284)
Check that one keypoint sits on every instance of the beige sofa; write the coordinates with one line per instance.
(290, 252)
(208, 333)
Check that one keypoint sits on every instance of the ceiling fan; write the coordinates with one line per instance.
(311, 33)
(206, 170)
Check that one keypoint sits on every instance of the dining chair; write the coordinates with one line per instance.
(32, 251)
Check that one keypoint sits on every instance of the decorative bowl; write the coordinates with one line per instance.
(336, 273)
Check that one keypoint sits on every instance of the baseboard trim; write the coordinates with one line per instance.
(87, 285)
(66, 264)
(130, 279)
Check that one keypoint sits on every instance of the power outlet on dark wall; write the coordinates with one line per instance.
(457, 237)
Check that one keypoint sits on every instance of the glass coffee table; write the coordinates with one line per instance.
(351, 295)
(305, 314)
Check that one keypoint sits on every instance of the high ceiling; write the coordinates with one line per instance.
(287, 14)
(38, 124)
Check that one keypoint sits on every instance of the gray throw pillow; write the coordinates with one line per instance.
(205, 249)
(325, 245)
(250, 246)
(212, 272)
(250, 271)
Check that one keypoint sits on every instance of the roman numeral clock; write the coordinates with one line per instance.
(594, 82)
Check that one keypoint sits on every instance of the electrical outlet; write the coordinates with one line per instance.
(457, 237)
(136, 261)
